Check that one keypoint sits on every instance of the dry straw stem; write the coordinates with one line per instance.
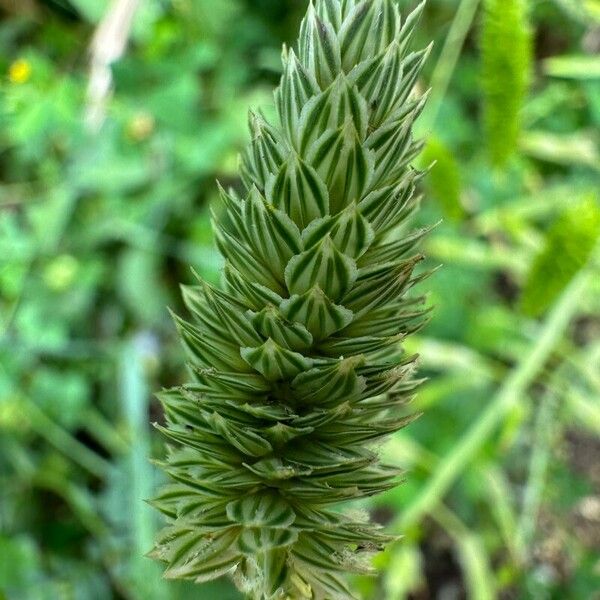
(108, 44)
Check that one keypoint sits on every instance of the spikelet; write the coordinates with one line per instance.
(506, 47)
(298, 368)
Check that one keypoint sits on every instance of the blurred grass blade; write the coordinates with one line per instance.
(438, 354)
(573, 67)
(407, 453)
(583, 10)
(444, 69)
(404, 572)
(135, 399)
(478, 574)
(538, 466)
(78, 498)
(586, 410)
(519, 211)
(502, 506)
(63, 441)
(99, 428)
(474, 559)
(563, 149)
(475, 254)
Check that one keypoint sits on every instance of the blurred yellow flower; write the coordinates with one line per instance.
(61, 272)
(19, 71)
(141, 126)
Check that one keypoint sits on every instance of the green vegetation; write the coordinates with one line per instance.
(99, 224)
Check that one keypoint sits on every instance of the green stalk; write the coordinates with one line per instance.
(444, 69)
(538, 467)
(97, 425)
(479, 578)
(502, 507)
(509, 394)
(135, 396)
(585, 410)
(63, 441)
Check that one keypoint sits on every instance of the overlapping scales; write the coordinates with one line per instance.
(297, 361)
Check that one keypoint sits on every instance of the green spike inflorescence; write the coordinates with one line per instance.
(299, 372)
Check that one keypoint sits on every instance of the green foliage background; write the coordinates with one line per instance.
(502, 497)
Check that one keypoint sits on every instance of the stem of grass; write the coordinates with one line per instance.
(451, 467)
(444, 69)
